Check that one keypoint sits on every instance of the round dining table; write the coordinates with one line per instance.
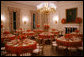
(29, 34)
(55, 32)
(46, 35)
(18, 46)
(8, 36)
(6, 32)
(38, 31)
(72, 42)
(19, 31)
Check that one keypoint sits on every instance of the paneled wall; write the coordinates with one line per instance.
(25, 14)
(60, 13)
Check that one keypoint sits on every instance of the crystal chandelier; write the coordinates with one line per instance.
(46, 8)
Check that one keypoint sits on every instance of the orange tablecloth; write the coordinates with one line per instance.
(20, 49)
(68, 43)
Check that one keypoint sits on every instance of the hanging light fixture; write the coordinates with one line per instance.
(46, 8)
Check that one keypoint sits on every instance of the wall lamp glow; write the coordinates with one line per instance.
(2, 18)
(25, 20)
(55, 19)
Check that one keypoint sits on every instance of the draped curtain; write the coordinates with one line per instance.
(11, 10)
(36, 18)
(44, 20)
(39, 19)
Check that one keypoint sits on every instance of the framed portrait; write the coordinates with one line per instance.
(71, 15)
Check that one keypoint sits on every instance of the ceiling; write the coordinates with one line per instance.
(33, 3)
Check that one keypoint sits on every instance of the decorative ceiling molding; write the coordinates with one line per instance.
(31, 3)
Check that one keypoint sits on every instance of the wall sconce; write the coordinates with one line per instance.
(56, 22)
(2, 18)
(55, 19)
(24, 22)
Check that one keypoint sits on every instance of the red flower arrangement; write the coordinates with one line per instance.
(28, 30)
(53, 29)
(78, 20)
(6, 32)
(20, 28)
(34, 30)
(63, 21)
(21, 37)
(76, 31)
(38, 25)
(46, 26)
(68, 36)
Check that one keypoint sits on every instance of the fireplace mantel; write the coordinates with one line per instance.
(70, 29)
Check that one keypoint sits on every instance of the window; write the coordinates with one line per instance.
(34, 21)
(14, 20)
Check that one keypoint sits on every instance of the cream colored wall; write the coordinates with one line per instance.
(61, 13)
(24, 14)
(5, 16)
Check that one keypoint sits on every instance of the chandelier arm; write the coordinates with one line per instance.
(46, 9)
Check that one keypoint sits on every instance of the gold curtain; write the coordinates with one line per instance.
(11, 10)
(36, 18)
(44, 20)
(39, 19)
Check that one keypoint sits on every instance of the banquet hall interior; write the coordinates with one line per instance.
(41, 28)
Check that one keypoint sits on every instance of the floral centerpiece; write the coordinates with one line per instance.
(53, 29)
(78, 20)
(28, 30)
(6, 32)
(63, 21)
(77, 31)
(20, 30)
(46, 27)
(21, 37)
(68, 36)
(38, 26)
